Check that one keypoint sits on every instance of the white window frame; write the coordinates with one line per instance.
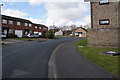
(45, 28)
(10, 22)
(36, 27)
(4, 21)
(30, 25)
(18, 23)
(104, 2)
(104, 22)
(40, 28)
(26, 24)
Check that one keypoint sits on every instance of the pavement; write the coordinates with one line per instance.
(28, 59)
(12, 41)
(67, 62)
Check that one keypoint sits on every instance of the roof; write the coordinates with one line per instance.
(92, 0)
(80, 28)
(22, 20)
(84, 29)
(15, 18)
(39, 25)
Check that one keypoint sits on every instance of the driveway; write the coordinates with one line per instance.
(29, 59)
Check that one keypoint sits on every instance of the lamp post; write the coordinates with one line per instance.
(0, 18)
(0, 44)
(53, 27)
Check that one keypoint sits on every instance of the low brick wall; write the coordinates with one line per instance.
(104, 37)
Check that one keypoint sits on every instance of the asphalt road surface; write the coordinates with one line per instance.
(30, 59)
(70, 63)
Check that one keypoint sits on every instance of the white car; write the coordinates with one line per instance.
(3, 35)
(30, 35)
(33, 35)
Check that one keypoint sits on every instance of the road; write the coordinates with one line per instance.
(30, 59)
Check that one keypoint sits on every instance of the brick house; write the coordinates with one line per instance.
(105, 24)
(21, 27)
(80, 32)
(40, 29)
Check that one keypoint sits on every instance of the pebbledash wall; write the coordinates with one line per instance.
(105, 22)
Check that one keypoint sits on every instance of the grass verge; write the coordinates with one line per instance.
(63, 36)
(107, 62)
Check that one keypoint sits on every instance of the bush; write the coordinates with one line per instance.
(40, 36)
(49, 35)
(12, 35)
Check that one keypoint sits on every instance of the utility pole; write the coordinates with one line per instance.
(0, 18)
(53, 27)
(0, 41)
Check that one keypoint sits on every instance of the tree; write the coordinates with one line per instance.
(87, 26)
(50, 34)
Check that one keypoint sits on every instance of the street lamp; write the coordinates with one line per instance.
(53, 28)
(0, 45)
(1, 4)
(0, 18)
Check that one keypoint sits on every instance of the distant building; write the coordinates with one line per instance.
(21, 26)
(60, 32)
(105, 24)
(80, 32)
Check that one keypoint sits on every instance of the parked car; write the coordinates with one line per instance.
(3, 35)
(25, 36)
(36, 35)
(33, 35)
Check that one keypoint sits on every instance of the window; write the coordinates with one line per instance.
(26, 24)
(18, 23)
(104, 22)
(45, 28)
(11, 31)
(36, 27)
(10, 22)
(39, 27)
(4, 21)
(30, 25)
(83, 33)
(104, 2)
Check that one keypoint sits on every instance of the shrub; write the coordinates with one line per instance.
(12, 35)
(40, 36)
(50, 35)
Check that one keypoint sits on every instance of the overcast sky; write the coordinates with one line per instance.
(63, 12)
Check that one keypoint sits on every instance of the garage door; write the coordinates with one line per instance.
(18, 33)
(5, 31)
(40, 33)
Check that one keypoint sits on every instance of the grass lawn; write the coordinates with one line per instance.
(107, 62)
(64, 36)
(24, 38)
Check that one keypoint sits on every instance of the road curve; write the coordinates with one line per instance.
(30, 59)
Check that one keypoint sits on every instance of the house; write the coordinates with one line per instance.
(21, 26)
(40, 29)
(60, 32)
(105, 24)
(80, 32)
